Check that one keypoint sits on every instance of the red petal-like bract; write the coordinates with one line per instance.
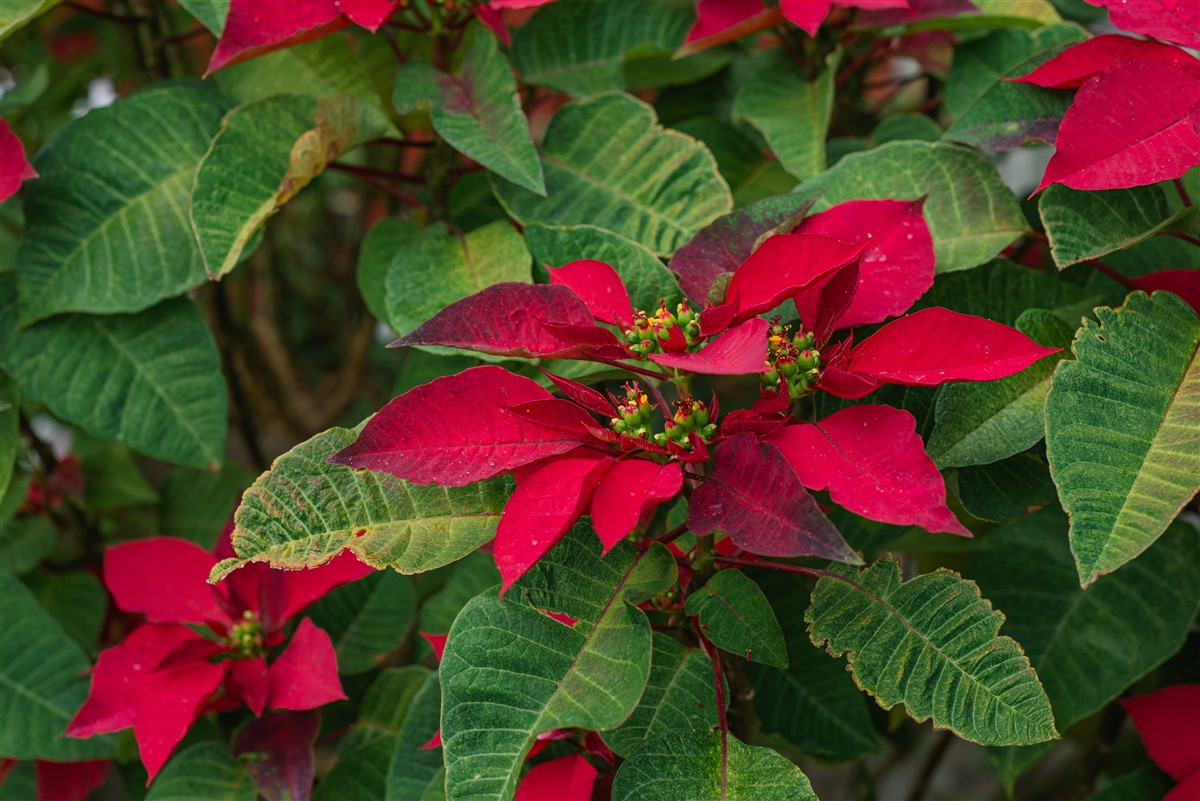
(164, 578)
(805, 14)
(1175, 21)
(279, 754)
(307, 585)
(897, 263)
(556, 414)
(568, 778)
(754, 496)
(715, 16)
(600, 288)
(249, 682)
(585, 396)
(1070, 68)
(305, 675)
(254, 27)
(544, 506)
(437, 642)
(629, 489)
(821, 307)
(69, 781)
(892, 15)
(1129, 126)
(1184, 283)
(936, 345)
(873, 463)
(739, 351)
(170, 705)
(455, 430)
(1169, 722)
(512, 319)
(370, 14)
(13, 167)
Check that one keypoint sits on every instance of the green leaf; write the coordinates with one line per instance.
(16, 14)
(899, 127)
(303, 512)
(203, 770)
(986, 421)
(151, 380)
(736, 617)
(1146, 783)
(510, 672)
(750, 176)
(399, 707)
(1121, 428)
(679, 695)
(366, 619)
(707, 766)
(932, 643)
(1041, 11)
(24, 542)
(1008, 489)
(210, 13)
(608, 163)
(194, 504)
(10, 420)
(383, 241)
(813, 704)
(108, 223)
(468, 577)
(436, 268)
(476, 109)
(111, 477)
(78, 601)
(43, 683)
(972, 215)
(644, 276)
(1087, 225)
(580, 47)
(792, 113)
(978, 68)
(1088, 645)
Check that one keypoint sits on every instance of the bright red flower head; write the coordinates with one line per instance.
(206, 646)
(1169, 722)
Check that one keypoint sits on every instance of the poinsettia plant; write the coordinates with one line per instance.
(615, 399)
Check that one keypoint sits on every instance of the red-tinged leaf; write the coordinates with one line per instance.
(873, 462)
(897, 263)
(172, 702)
(437, 642)
(783, 266)
(69, 781)
(568, 778)
(455, 430)
(1184, 283)
(805, 14)
(555, 414)
(937, 345)
(370, 14)
(13, 167)
(1169, 722)
(303, 587)
(278, 751)
(1129, 126)
(1070, 68)
(716, 16)
(249, 682)
(509, 319)
(253, 28)
(739, 351)
(600, 288)
(165, 579)
(585, 396)
(627, 491)
(754, 496)
(545, 504)
(305, 675)
(1175, 21)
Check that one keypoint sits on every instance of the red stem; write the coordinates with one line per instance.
(384, 186)
(1183, 193)
(1113, 274)
(719, 685)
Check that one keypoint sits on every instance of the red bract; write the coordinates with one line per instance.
(1169, 723)
(13, 167)
(719, 21)
(163, 675)
(568, 778)
(1073, 66)
(1175, 21)
(490, 14)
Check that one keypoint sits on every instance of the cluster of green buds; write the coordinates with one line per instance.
(690, 415)
(635, 411)
(663, 331)
(791, 359)
(246, 636)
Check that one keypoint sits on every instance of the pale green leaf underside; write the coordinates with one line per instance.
(932, 643)
(687, 764)
(237, 183)
(793, 115)
(43, 683)
(1121, 429)
(203, 770)
(151, 380)
(476, 110)
(303, 512)
(510, 672)
(984, 422)
(1087, 225)
(608, 163)
(108, 218)
(736, 616)
(971, 214)
(679, 695)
